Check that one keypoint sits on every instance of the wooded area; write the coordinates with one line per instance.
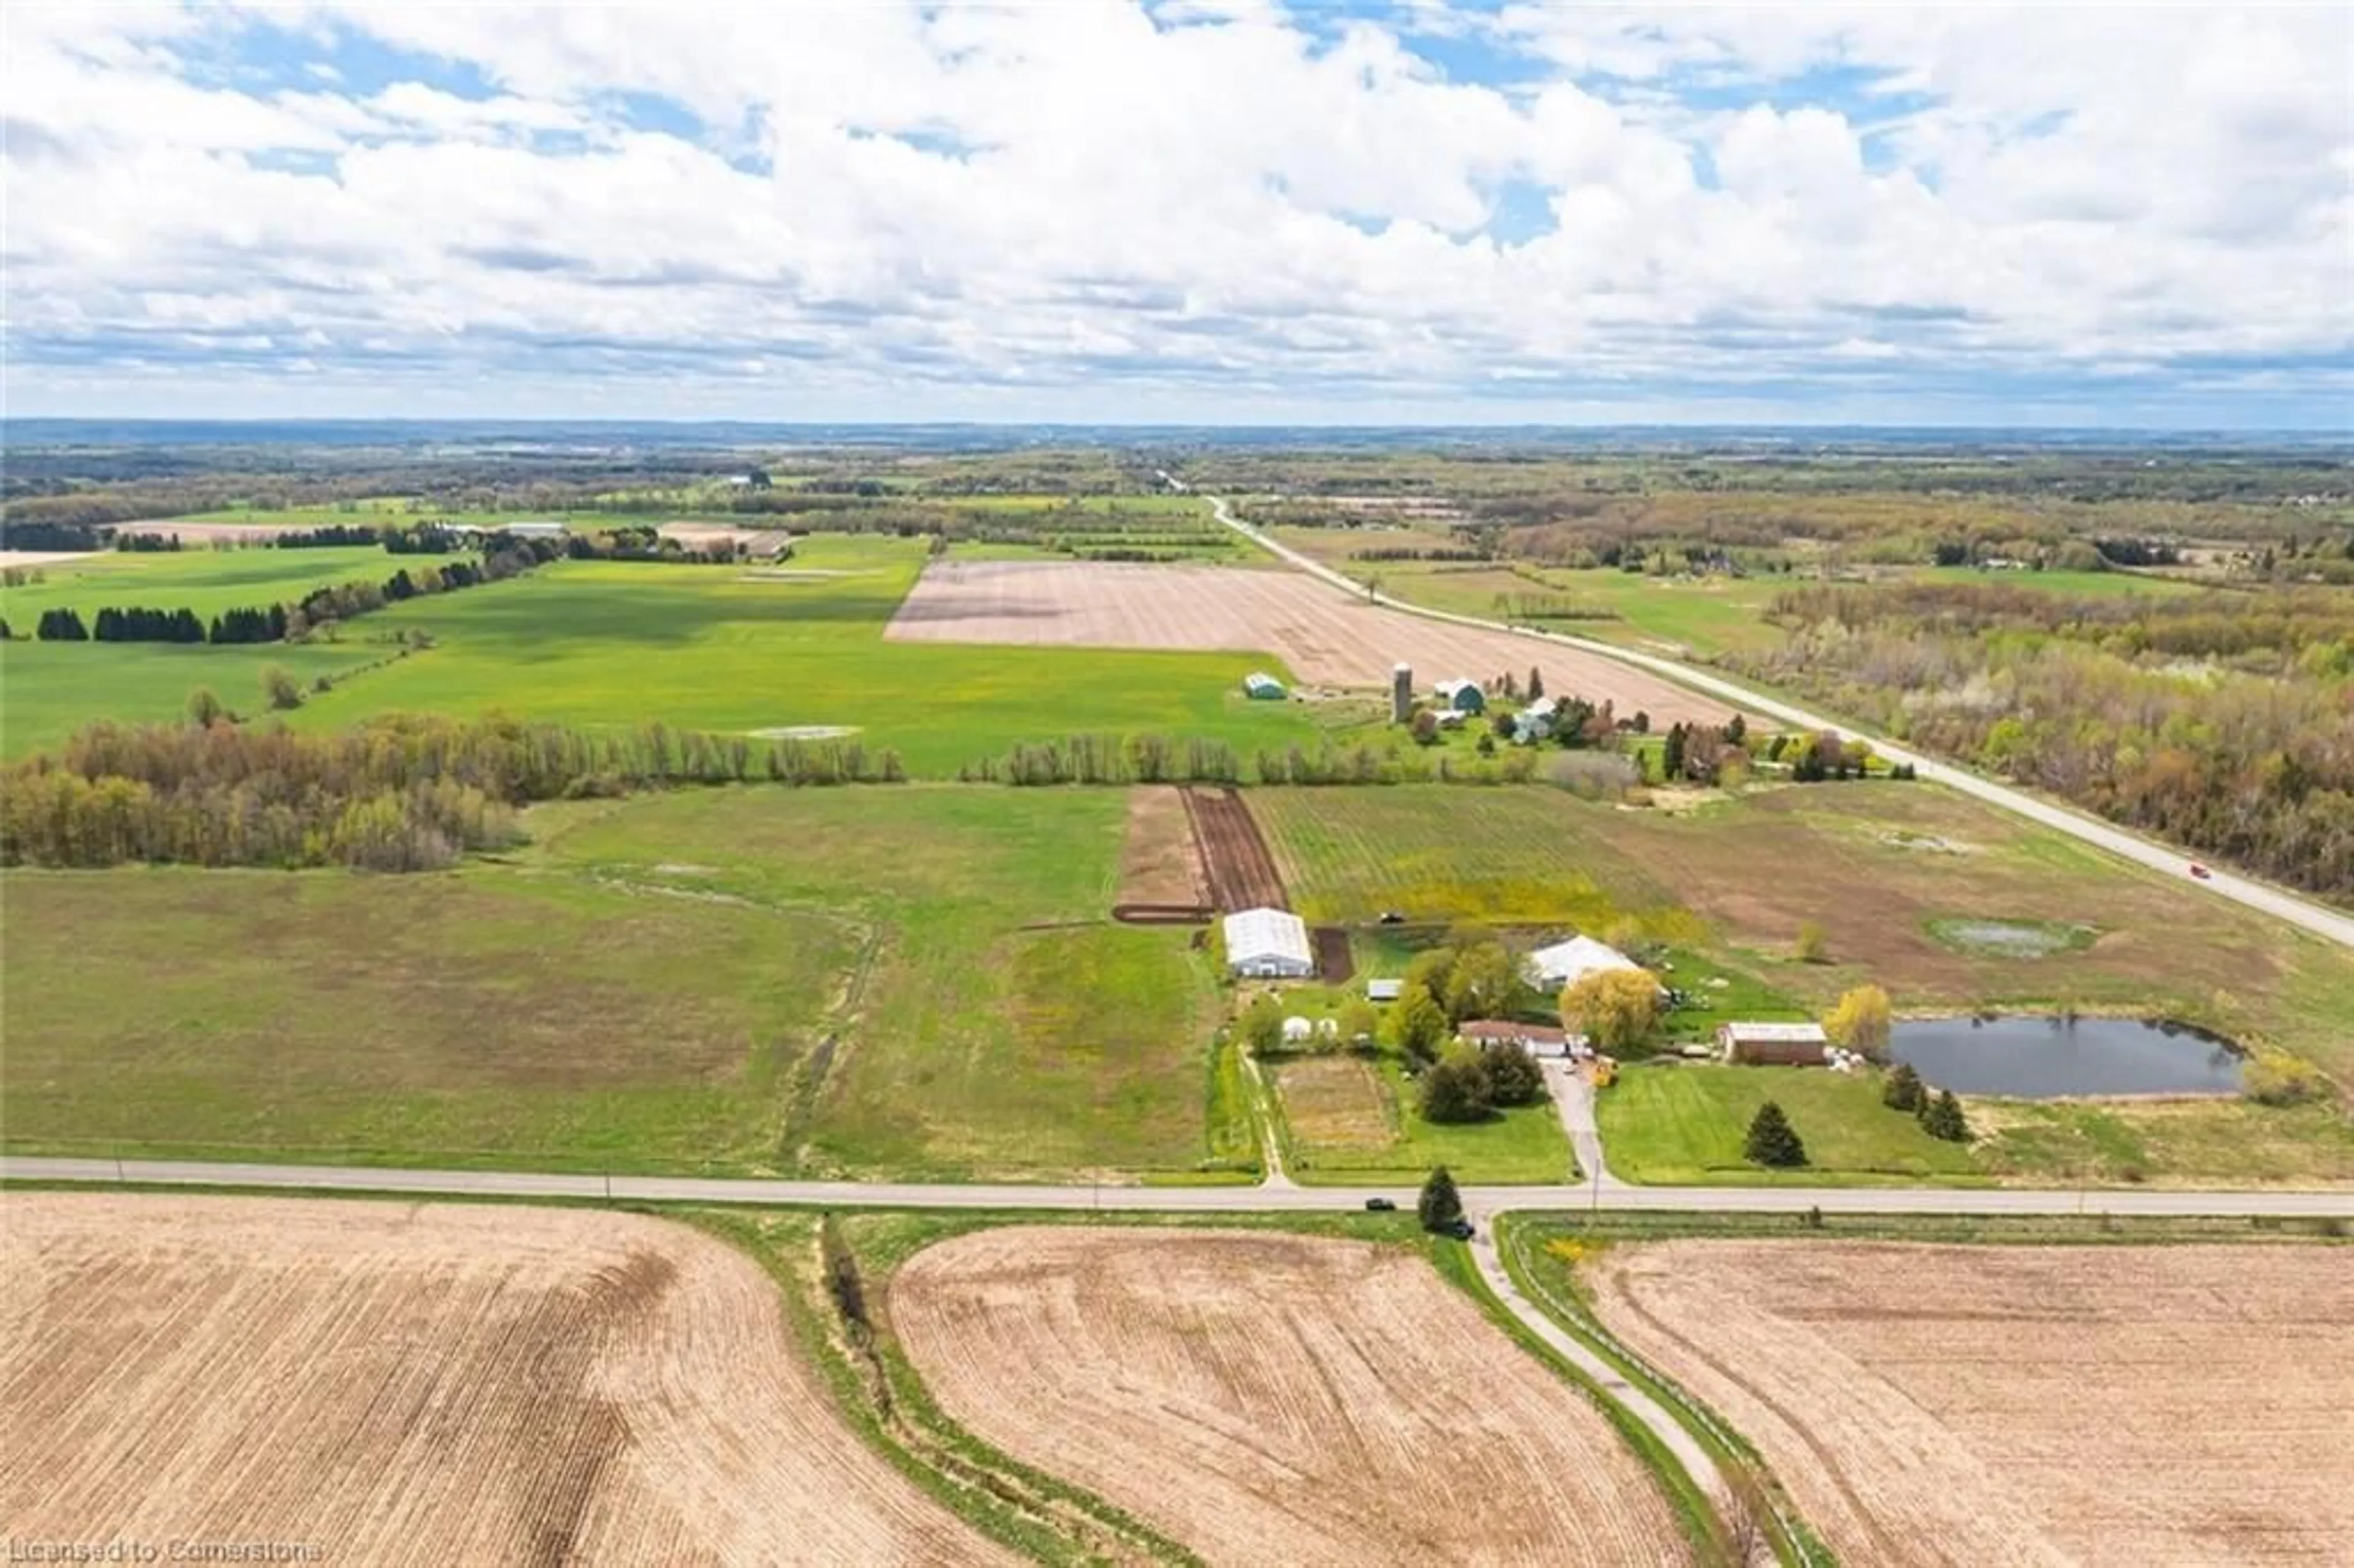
(2223, 722)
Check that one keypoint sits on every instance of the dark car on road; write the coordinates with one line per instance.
(1461, 1230)
(1381, 1206)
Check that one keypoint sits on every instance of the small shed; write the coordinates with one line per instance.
(1566, 963)
(1384, 990)
(1260, 687)
(1463, 696)
(1268, 944)
(1298, 1031)
(1772, 1044)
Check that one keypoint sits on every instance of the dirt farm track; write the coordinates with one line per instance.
(1273, 1399)
(1326, 638)
(423, 1383)
(2116, 1406)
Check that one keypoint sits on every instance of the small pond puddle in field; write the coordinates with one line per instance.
(2048, 1058)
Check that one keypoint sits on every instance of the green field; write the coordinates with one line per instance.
(717, 648)
(650, 985)
(49, 690)
(207, 581)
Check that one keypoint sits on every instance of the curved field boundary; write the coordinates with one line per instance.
(1270, 1398)
(430, 1384)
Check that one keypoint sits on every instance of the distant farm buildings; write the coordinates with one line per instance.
(535, 528)
(1402, 693)
(1260, 687)
(1772, 1044)
(1566, 963)
(1463, 696)
(1268, 944)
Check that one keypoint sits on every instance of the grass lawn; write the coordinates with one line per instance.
(873, 982)
(717, 648)
(1684, 1122)
(1348, 1120)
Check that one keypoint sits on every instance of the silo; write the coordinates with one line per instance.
(1400, 694)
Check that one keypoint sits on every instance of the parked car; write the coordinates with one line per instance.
(1461, 1230)
(1392, 917)
(2200, 871)
(1381, 1206)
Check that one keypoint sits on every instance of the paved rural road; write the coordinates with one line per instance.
(2314, 918)
(1485, 1201)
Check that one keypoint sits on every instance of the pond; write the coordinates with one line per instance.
(2045, 1058)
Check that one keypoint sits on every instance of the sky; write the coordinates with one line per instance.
(1203, 211)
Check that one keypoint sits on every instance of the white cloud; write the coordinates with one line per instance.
(1154, 205)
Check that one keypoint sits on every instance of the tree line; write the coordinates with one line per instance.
(400, 793)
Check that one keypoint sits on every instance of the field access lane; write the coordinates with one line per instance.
(2282, 904)
(1234, 1200)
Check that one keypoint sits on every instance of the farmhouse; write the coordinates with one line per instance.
(1566, 963)
(1463, 696)
(1262, 687)
(1486, 1031)
(1268, 944)
(1772, 1044)
(1534, 722)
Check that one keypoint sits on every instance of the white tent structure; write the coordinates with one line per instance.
(1268, 944)
(1566, 963)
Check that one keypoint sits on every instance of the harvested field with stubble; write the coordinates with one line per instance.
(425, 1384)
(1270, 1398)
(2130, 1406)
(1324, 636)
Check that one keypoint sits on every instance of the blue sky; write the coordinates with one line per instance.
(1186, 211)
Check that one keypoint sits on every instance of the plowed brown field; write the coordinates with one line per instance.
(423, 1384)
(1326, 637)
(1241, 868)
(2133, 1406)
(1273, 1399)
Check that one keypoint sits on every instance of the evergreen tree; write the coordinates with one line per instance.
(1440, 1205)
(1772, 1140)
(1943, 1118)
(1536, 683)
(1903, 1091)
